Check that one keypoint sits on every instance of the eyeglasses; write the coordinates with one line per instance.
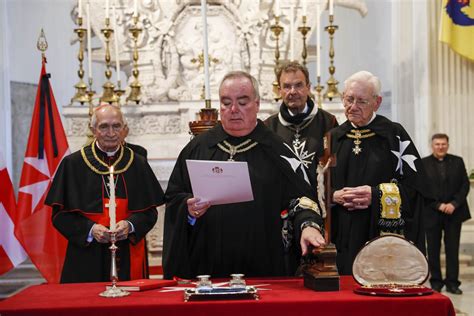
(297, 86)
(349, 100)
(117, 127)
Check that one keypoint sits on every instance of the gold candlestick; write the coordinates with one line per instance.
(277, 30)
(331, 91)
(319, 89)
(119, 92)
(90, 96)
(81, 87)
(135, 87)
(108, 95)
(304, 30)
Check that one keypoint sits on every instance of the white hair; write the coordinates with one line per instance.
(366, 77)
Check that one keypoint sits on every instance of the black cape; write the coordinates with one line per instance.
(377, 163)
(321, 123)
(138, 149)
(76, 190)
(240, 237)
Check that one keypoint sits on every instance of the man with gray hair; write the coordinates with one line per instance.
(377, 182)
(79, 197)
(200, 238)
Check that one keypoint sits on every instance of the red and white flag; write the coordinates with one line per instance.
(47, 146)
(11, 251)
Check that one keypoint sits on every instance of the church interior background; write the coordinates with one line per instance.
(425, 86)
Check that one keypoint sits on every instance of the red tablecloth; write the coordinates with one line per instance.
(285, 297)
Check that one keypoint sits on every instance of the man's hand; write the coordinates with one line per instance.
(310, 236)
(447, 208)
(101, 233)
(354, 198)
(196, 208)
(122, 230)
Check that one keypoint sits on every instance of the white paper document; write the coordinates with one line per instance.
(220, 182)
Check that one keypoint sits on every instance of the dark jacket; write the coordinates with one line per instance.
(457, 188)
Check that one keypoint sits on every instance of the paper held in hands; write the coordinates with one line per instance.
(220, 182)
(143, 284)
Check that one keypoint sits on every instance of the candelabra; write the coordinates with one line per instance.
(81, 95)
(113, 291)
(90, 95)
(304, 30)
(119, 92)
(108, 95)
(319, 88)
(276, 29)
(135, 87)
(331, 91)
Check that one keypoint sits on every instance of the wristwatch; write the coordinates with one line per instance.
(311, 224)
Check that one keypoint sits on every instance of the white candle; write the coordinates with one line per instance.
(113, 223)
(206, 51)
(277, 8)
(107, 15)
(318, 39)
(292, 33)
(305, 8)
(331, 7)
(117, 60)
(79, 8)
(89, 41)
(135, 8)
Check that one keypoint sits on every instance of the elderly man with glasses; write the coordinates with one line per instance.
(377, 181)
(79, 196)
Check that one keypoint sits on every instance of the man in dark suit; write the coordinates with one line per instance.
(450, 185)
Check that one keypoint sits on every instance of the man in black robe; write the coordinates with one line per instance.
(241, 237)
(300, 122)
(377, 182)
(450, 184)
(79, 196)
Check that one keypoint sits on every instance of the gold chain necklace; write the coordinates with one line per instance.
(100, 160)
(357, 136)
(232, 150)
(116, 171)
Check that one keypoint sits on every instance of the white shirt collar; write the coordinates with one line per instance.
(373, 117)
(109, 153)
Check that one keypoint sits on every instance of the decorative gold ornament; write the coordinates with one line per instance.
(233, 150)
(104, 164)
(357, 135)
(390, 201)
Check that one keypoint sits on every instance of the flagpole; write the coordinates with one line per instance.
(47, 145)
